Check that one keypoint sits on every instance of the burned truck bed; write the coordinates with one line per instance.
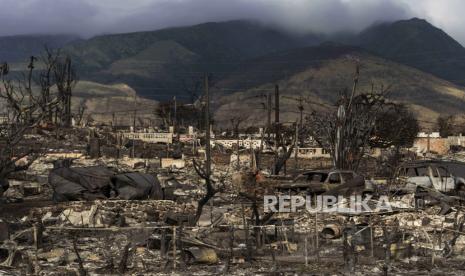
(325, 181)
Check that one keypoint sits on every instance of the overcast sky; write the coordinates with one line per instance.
(92, 17)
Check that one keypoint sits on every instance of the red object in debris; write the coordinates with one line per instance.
(259, 177)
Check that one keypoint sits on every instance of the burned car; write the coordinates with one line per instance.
(410, 177)
(329, 182)
(99, 182)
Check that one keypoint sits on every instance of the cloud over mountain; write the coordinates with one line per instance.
(89, 17)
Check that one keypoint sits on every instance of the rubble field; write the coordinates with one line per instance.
(423, 233)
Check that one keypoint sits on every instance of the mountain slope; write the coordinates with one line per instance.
(223, 41)
(159, 59)
(19, 48)
(417, 43)
(103, 103)
(156, 63)
(321, 73)
(244, 55)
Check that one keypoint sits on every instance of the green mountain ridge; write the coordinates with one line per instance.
(155, 63)
(243, 56)
(417, 43)
(158, 59)
(20, 47)
(321, 73)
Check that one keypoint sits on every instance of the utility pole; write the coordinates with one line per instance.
(276, 103)
(134, 127)
(268, 107)
(29, 87)
(354, 88)
(207, 131)
(301, 110)
(252, 156)
(428, 142)
(135, 114)
(237, 152)
(296, 147)
(175, 115)
(300, 106)
(301, 124)
(276, 114)
(68, 93)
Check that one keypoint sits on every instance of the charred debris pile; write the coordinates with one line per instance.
(72, 214)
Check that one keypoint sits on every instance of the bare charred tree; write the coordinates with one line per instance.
(204, 171)
(185, 113)
(446, 125)
(236, 121)
(395, 126)
(347, 131)
(188, 115)
(209, 187)
(163, 111)
(285, 143)
(26, 110)
(65, 79)
(81, 269)
(46, 79)
(28, 84)
(80, 112)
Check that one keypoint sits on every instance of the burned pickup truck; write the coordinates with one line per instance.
(329, 182)
(426, 175)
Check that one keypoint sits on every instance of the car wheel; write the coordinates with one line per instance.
(461, 190)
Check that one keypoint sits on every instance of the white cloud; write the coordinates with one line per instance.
(90, 17)
(444, 14)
